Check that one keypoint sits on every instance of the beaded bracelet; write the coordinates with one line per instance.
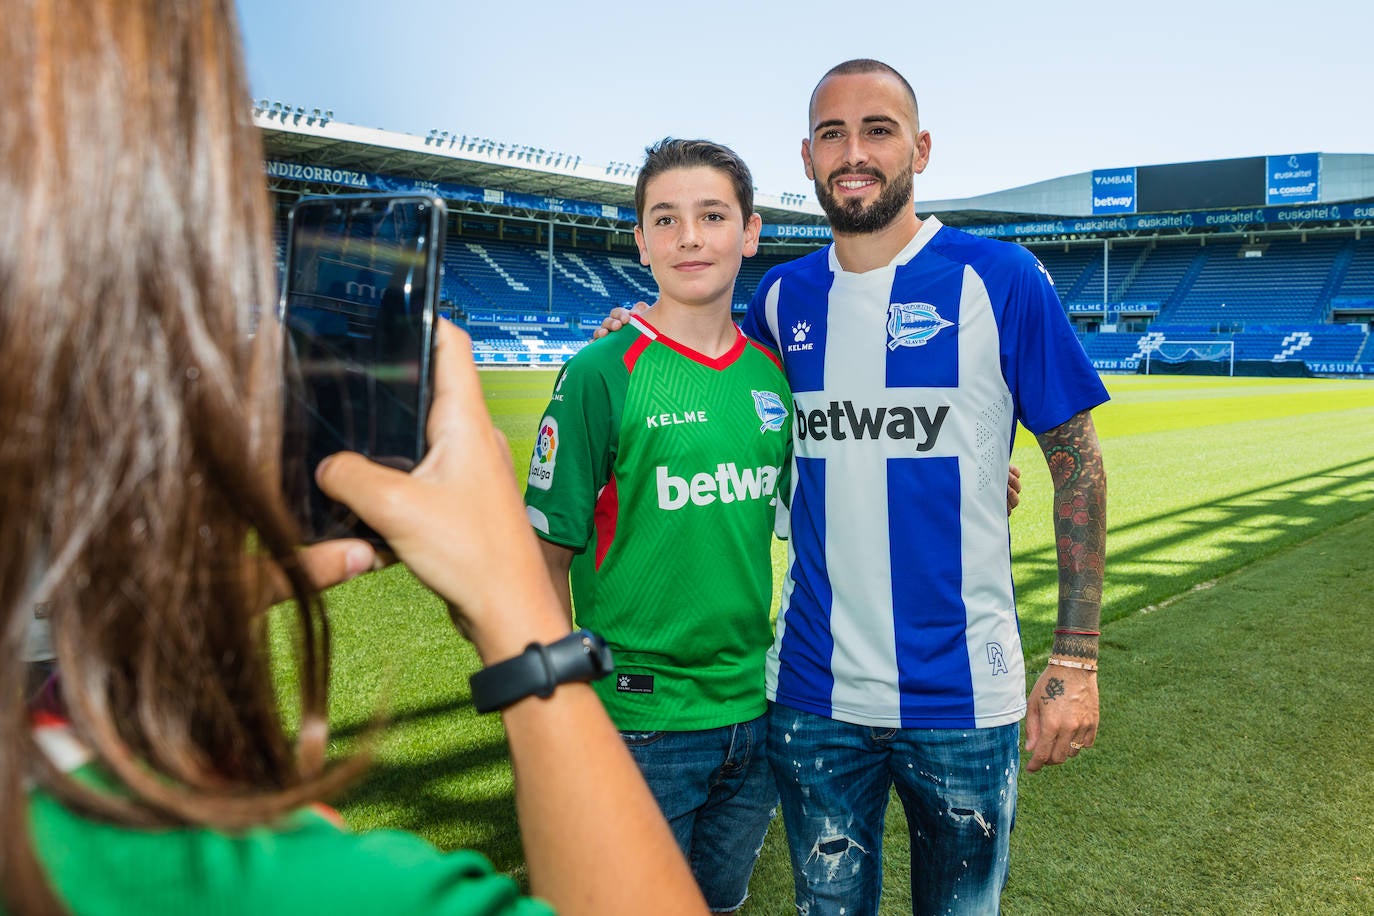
(1064, 663)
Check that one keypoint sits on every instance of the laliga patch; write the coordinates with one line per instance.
(770, 409)
(545, 454)
(634, 683)
(913, 324)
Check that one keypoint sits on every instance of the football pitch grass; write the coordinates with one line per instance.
(1233, 771)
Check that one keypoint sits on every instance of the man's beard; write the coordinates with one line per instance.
(853, 218)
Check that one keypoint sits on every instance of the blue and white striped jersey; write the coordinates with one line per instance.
(907, 383)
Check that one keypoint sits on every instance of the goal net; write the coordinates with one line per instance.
(1175, 353)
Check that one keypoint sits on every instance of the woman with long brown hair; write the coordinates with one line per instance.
(138, 443)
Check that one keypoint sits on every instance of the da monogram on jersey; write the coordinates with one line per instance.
(728, 484)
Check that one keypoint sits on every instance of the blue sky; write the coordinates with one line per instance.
(1012, 92)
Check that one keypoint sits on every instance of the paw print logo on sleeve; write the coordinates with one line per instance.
(801, 331)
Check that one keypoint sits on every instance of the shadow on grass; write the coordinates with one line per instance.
(1231, 771)
(435, 797)
(1163, 555)
(455, 706)
(441, 771)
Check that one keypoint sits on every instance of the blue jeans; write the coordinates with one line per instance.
(716, 790)
(957, 786)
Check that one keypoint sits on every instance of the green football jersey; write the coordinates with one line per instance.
(306, 863)
(664, 471)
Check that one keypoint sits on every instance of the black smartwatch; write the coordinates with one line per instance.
(579, 656)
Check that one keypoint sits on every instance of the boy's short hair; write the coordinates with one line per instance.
(671, 153)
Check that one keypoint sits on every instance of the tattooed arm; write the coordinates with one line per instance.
(1062, 714)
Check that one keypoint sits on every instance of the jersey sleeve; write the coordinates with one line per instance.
(1050, 376)
(390, 871)
(782, 509)
(304, 865)
(574, 452)
(755, 323)
(782, 517)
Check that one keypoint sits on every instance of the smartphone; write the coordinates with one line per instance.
(359, 301)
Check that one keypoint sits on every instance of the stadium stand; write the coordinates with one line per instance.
(1358, 281)
(1287, 286)
(1281, 280)
(1274, 305)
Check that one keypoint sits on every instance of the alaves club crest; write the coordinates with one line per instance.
(770, 410)
(912, 324)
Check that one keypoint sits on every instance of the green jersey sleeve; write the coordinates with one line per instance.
(576, 444)
(304, 865)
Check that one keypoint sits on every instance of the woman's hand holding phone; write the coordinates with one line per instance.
(594, 838)
(457, 520)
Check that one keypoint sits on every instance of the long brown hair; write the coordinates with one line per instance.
(138, 494)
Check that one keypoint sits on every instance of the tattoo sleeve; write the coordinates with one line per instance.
(1080, 528)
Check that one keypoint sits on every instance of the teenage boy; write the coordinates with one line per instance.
(655, 480)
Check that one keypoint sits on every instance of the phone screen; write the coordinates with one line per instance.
(358, 307)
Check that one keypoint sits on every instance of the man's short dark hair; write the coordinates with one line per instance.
(864, 65)
(671, 153)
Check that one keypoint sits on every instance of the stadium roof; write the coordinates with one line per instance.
(479, 162)
(313, 153)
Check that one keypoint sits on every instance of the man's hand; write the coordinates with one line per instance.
(1061, 716)
(1013, 487)
(618, 318)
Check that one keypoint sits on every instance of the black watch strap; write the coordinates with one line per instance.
(579, 656)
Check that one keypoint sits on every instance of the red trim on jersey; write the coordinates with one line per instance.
(777, 361)
(604, 517)
(724, 361)
(329, 814)
(42, 718)
(636, 348)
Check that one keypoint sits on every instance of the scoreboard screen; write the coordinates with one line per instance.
(1220, 184)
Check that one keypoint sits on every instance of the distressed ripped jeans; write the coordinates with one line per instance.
(957, 787)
